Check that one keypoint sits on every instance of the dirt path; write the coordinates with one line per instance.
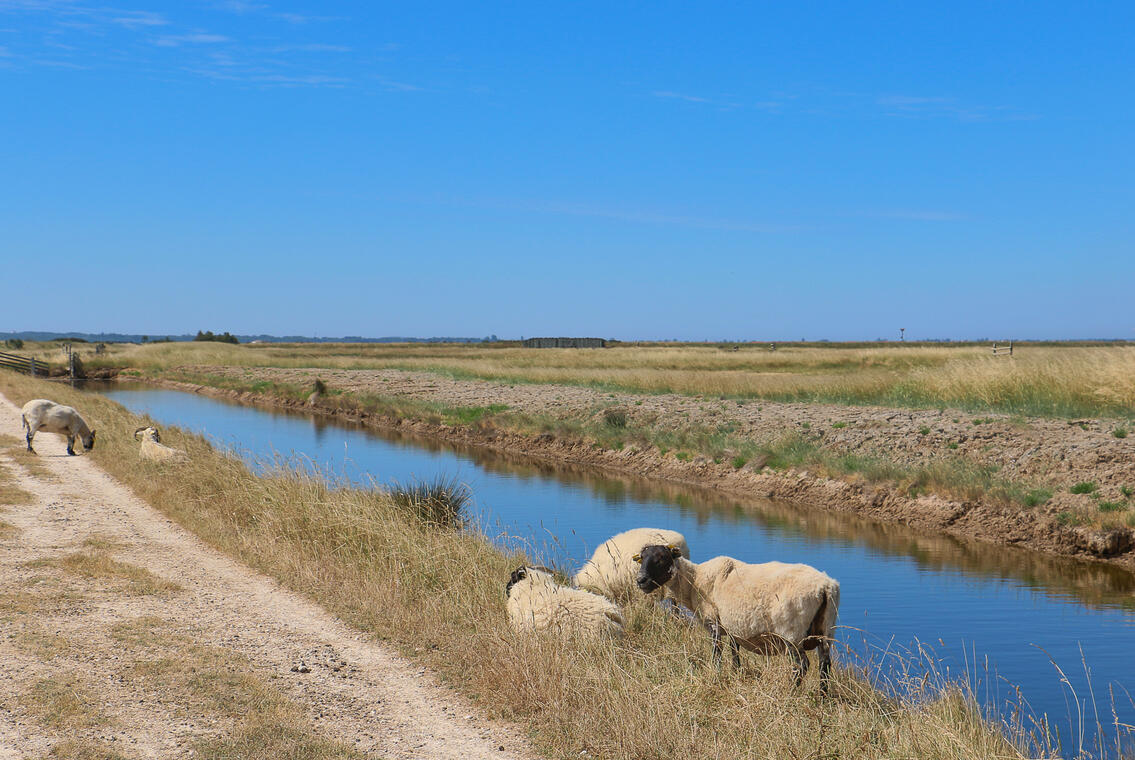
(94, 649)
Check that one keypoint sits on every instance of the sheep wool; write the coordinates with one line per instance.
(536, 602)
(153, 449)
(611, 569)
(771, 607)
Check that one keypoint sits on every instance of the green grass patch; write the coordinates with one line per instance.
(1085, 486)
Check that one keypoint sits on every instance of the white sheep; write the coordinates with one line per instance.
(153, 448)
(766, 608)
(536, 602)
(611, 570)
(50, 417)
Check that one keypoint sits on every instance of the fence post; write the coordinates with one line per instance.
(33, 366)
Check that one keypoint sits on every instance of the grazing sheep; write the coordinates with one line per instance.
(50, 417)
(153, 448)
(611, 569)
(771, 607)
(536, 602)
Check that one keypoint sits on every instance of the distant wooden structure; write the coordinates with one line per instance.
(565, 343)
(23, 364)
(1003, 349)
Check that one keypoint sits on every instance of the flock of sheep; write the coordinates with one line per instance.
(50, 417)
(767, 608)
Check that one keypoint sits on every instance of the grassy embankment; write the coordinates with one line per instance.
(437, 594)
(948, 476)
(1048, 380)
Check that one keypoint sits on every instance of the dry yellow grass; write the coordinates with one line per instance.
(99, 565)
(439, 595)
(63, 701)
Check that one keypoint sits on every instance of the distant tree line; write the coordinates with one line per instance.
(224, 337)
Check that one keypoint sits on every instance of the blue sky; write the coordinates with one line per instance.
(664, 170)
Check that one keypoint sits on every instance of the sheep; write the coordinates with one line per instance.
(766, 608)
(536, 602)
(611, 571)
(153, 448)
(41, 414)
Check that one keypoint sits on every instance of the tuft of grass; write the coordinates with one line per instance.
(1127, 491)
(1037, 496)
(63, 702)
(1085, 486)
(32, 463)
(924, 431)
(838, 425)
(1112, 506)
(98, 564)
(84, 749)
(682, 456)
(739, 462)
(1070, 518)
(1119, 432)
(615, 417)
(442, 502)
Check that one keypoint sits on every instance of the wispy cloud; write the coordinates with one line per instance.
(643, 216)
(917, 215)
(822, 103)
(311, 47)
(680, 96)
(195, 38)
(940, 106)
(136, 19)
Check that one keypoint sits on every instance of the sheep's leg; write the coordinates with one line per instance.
(801, 664)
(30, 436)
(715, 631)
(736, 652)
(825, 655)
(71, 445)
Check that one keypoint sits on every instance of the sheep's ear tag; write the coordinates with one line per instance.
(674, 551)
(637, 558)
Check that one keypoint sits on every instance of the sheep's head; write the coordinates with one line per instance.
(89, 441)
(150, 432)
(522, 572)
(656, 566)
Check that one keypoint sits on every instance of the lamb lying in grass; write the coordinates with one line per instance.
(768, 608)
(536, 602)
(611, 570)
(154, 450)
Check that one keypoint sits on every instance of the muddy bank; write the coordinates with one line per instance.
(1037, 529)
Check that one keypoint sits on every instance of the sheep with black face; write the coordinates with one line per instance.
(536, 602)
(611, 569)
(767, 608)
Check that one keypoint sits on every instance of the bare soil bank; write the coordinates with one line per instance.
(1058, 453)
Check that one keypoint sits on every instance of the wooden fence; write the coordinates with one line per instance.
(1004, 349)
(24, 364)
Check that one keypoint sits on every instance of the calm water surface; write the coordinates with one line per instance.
(1002, 615)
